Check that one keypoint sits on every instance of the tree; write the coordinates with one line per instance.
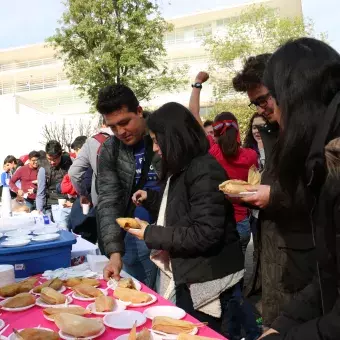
(259, 29)
(66, 133)
(115, 41)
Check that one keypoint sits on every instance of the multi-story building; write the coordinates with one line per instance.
(33, 82)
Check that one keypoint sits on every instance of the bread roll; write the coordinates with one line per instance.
(127, 223)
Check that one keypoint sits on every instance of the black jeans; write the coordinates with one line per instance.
(236, 312)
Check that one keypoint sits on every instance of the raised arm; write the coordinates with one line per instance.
(194, 104)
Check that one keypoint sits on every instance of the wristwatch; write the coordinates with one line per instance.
(197, 85)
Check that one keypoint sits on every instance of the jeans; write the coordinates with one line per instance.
(243, 228)
(30, 204)
(60, 215)
(137, 263)
(237, 313)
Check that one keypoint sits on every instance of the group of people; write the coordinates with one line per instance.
(57, 183)
(164, 169)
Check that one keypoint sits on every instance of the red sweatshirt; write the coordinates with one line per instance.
(236, 168)
(67, 187)
(26, 175)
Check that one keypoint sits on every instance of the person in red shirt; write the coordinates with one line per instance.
(236, 161)
(227, 150)
(27, 175)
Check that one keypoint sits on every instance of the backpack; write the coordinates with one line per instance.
(100, 137)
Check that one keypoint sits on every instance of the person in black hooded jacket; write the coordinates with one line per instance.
(195, 241)
(304, 78)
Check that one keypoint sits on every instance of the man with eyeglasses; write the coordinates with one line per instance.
(284, 259)
(27, 175)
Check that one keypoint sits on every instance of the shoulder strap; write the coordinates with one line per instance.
(101, 137)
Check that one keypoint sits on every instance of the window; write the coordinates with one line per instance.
(202, 31)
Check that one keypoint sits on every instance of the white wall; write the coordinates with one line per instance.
(21, 126)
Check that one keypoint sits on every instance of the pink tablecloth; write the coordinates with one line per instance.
(33, 317)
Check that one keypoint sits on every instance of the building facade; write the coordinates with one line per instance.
(33, 80)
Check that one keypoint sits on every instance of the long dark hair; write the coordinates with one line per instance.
(179, 135)
(303, 76)
(228, 140)
(249, 140)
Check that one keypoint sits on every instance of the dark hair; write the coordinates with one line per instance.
(10, 159)
(33, 154)
(78, 142)
(207, 123)
(20, 163)
(228, 141)
(252, 74)
(249, 140)
(42, 154)
(114, 97)
(303, 76)
(179, 136)
(53, 148)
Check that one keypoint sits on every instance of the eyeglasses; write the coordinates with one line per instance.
(261, 102)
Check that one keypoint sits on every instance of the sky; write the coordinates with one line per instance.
(24, 22)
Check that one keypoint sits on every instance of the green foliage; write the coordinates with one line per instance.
(239, 107)
(259, 29)
(115, 41)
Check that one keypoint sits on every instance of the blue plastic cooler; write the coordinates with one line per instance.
(35, 258)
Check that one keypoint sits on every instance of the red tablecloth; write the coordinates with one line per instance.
(33, 317)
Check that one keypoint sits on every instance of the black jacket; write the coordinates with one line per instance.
(285, 257)
(116, 185)
(315, 313)
(54, 176)
(200, 232)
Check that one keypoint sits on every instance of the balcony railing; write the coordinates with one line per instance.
(60, 101)
(24, 85)
(28, 64)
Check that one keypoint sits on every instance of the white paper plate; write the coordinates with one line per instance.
(19, 238)
(18, 232)
(14, 337)
(154, 299)
(172, 336)
(81, 298)
(61, 290)
(50, 319)
(169, 311)
(46, 237)
(20, 309)
(15, 243)
(2, 324)
(124, 319)
(39, 302)
(242, 194)
(119, 307)
(47, 230)
(71, 337)
(113, 284)
(126, 336)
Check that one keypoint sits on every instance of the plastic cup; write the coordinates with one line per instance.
(86, 208)
(61, 202)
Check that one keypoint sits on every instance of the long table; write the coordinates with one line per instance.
(34, 317)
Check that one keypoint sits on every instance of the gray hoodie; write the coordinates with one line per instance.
(86, 158)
